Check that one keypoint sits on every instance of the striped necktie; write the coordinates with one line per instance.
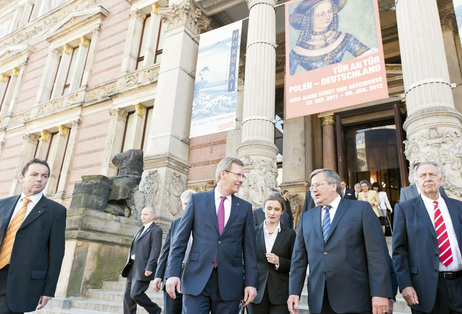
(10, 235)
(326, 223)
(442, 236)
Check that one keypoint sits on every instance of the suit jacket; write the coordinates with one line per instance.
(259, 217)
(169, 239)
(288, 210)
(146, 254)
(37, 252)
(411, 192)
(349, 194)
(417, 257)
(235, 247)
(275, 280)
(353, 264)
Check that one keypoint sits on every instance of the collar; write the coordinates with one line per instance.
(277, 230)
(146, 226)
(430, 201)
(335, 202)
(33, 198)
(218, 195)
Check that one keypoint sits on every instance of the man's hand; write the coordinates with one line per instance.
(410, 295)
(147, 273)
(292, 303)
(157, 284)
(249, 294)
(379, 305)
(172, 284)
(390, 306)
(42, 302)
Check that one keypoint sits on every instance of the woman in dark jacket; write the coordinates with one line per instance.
(275, 243)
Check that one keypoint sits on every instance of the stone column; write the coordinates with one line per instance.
(44, 144)
(433, 125)
(81, 58)
(166, 157)
(329, 159)
(114, 139)
(257, 150)
(28, 148)
(46, 84)
(63, 69)
(56, 161)
(66, 168)
(136, 127)
(150, 52)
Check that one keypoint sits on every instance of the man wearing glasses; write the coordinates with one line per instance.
(221, 269)
(342, 242)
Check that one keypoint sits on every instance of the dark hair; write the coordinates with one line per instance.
(284, 192)
(376, 185)
(274, 197)
(34, 161)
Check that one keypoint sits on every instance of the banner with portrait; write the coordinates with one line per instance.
(334, 55)
(215, 89)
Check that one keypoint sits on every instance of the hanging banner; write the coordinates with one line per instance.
(215, 90)
(458, 12)
(334, 55)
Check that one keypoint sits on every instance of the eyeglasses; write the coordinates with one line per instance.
(317, 185)
(237, 175)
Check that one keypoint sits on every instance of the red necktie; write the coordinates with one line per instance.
(442, 236)
(221, 220)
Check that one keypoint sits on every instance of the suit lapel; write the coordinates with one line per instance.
(233, 214)
(342, 207)
(145, 232)
(279, 239)
(211, 210)
(421, 211)
(7, 211)
(454, 211)
(36, 212)
(317, 223)
(261, 240)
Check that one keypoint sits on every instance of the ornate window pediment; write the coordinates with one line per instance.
(75, 24)
(11, 56)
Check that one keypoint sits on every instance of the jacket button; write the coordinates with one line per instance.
(219, 242)
(325, 253)
(266, 268)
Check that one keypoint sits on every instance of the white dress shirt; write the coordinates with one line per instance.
(34, 199)
(227, 204)
(332, 211)
(270, 238)
(456, 264)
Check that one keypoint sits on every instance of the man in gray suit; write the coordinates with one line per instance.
(343, 243)
(141, 264)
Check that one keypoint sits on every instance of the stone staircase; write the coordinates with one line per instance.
(109, 299)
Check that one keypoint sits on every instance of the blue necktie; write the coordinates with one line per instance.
(326, 223)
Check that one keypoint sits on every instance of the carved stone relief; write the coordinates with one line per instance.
(174, 186)
(150, 188)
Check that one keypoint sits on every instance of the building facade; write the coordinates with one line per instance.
(83, 80)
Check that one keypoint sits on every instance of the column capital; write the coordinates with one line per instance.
(140, 109)
(84, 41)
(63, 130)
(45, 136)
(118, 113)
(155, 8)
(30, 137)
(3, 78)
(184, 15)
(67, 49)
(15, 72)
(327, 118)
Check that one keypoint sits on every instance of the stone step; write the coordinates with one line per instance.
(117, 296)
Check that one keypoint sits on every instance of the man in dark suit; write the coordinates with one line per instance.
(346, 192)
(141, 263)
(288, 210)
(412, 190)
(32, 243)
(171, 306)
(427, 245)
(342, 242)
(222, 266)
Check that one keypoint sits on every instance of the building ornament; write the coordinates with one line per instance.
(444, 146)
(30, 138)
(63, 130)
(155, 8)
(3, 78)
(140, 109)
(118, 114)
(41, 25)
(173, 187)
(58, 104)
(211, 7)
(261, 174)
(67, 49)
(15, 72)
(84, 41)
(151, 186)
(184, 14)
(45, 136)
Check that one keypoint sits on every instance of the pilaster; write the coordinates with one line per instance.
(114, 139)
(329, 159)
